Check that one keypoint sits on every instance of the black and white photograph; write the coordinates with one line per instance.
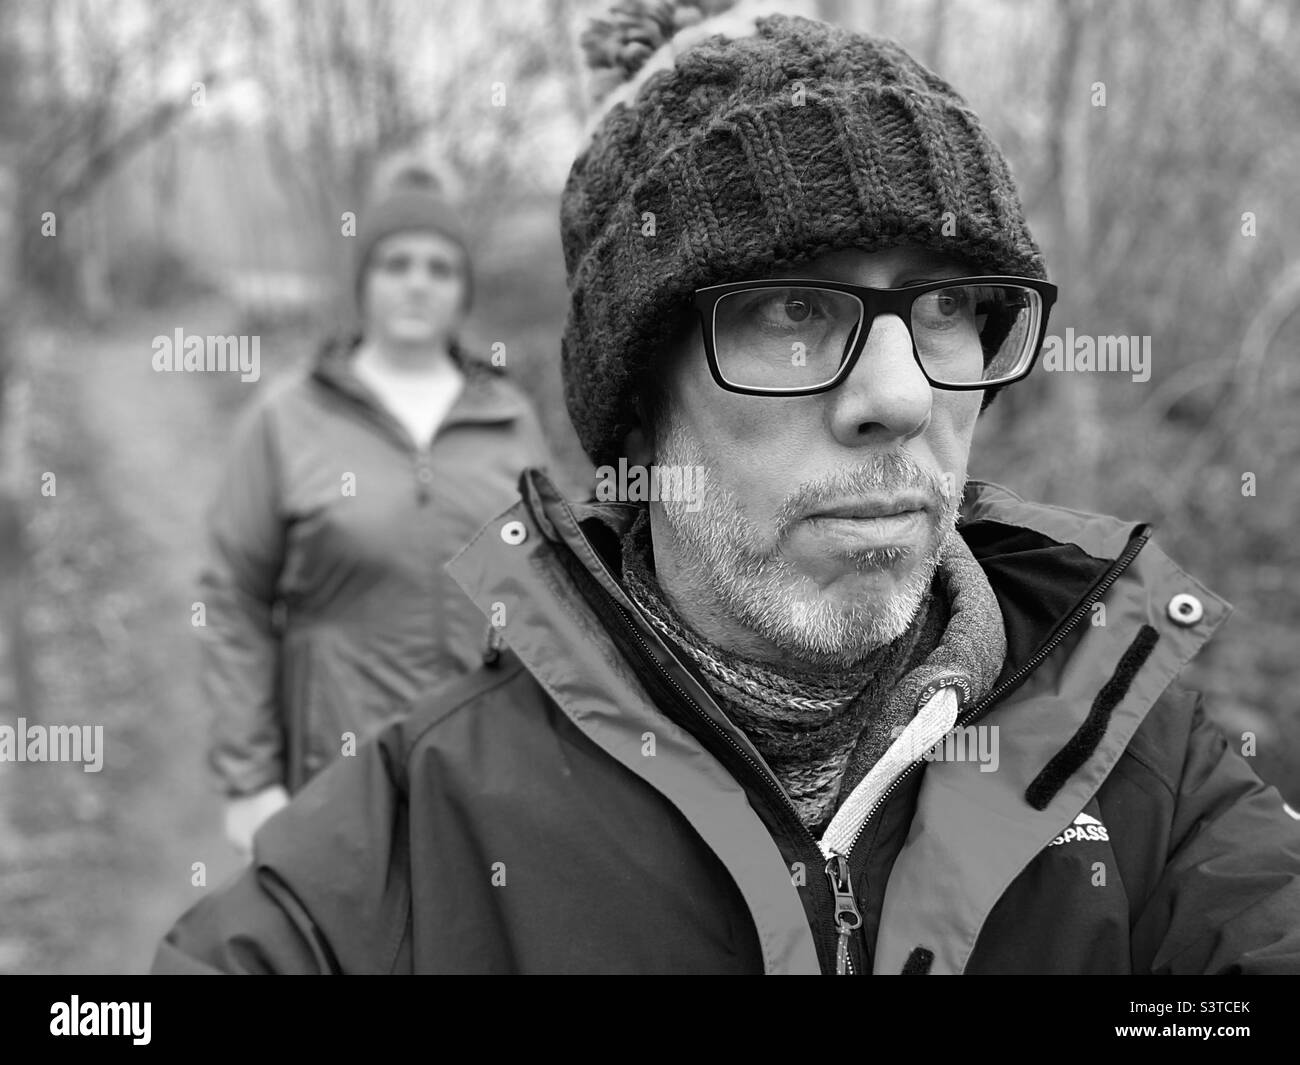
(650, 487)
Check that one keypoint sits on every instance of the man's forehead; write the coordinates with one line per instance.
(847, 264)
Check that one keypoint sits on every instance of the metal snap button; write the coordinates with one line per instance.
(1185, 609)
(513, 532)
(424, 475)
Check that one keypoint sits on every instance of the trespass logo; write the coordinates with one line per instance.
(1084, 827)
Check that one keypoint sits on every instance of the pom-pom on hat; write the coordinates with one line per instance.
(754, 142)
(413, 200)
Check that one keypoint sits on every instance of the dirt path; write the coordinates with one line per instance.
(161, 439)
(106, 861)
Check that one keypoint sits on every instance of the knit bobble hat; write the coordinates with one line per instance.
(745, 153)
(413, 201)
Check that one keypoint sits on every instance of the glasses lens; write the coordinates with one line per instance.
(783, 338)
(968, 334)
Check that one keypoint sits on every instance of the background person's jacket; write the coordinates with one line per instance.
(328, 606)
(582, 805)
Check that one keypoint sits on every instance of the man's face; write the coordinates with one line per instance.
(824, 515)
(414, 288)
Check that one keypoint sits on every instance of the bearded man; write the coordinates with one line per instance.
(717, 736)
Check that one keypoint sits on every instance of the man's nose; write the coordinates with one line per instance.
(886, 396)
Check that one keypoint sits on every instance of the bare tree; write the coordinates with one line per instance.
(85, 128)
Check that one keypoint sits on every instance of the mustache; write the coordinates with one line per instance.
(889, 474)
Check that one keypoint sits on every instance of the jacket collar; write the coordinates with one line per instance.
(484, 399)
(572, 655)
(973, 831)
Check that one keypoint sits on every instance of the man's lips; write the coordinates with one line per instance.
(865, 509)
(857, 525)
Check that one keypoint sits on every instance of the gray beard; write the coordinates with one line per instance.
(723, 553)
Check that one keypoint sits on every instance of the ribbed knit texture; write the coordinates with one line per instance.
(822, 732)
(757, 153)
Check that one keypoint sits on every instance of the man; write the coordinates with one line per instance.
(842, 711)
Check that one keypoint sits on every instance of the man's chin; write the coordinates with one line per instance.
(838, 610)
(838, 622)
(871, 593)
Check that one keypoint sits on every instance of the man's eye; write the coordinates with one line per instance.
(396, 264)
(788, 308)
(797, 310)
(946, 303)
(951, 303)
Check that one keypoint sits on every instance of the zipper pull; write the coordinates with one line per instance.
(424, 478)
(847, 917)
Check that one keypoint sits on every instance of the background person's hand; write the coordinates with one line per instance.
(245, 814)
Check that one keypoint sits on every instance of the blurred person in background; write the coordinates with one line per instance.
(345, 494)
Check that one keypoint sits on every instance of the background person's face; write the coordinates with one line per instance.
(825, 515)
(414, 288)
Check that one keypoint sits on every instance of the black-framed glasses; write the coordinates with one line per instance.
(800, 336)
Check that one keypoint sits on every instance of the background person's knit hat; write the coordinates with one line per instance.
(754, 153)
(413, 200)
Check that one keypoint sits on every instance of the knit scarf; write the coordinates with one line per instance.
(821, 732)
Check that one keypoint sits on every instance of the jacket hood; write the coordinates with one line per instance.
(1099, 622)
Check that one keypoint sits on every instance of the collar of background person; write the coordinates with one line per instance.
(485, 396)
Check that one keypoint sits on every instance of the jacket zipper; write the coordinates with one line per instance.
(379, 417)
(846, 917)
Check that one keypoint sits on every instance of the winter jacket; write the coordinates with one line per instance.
(328, 608)
(582, 805)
